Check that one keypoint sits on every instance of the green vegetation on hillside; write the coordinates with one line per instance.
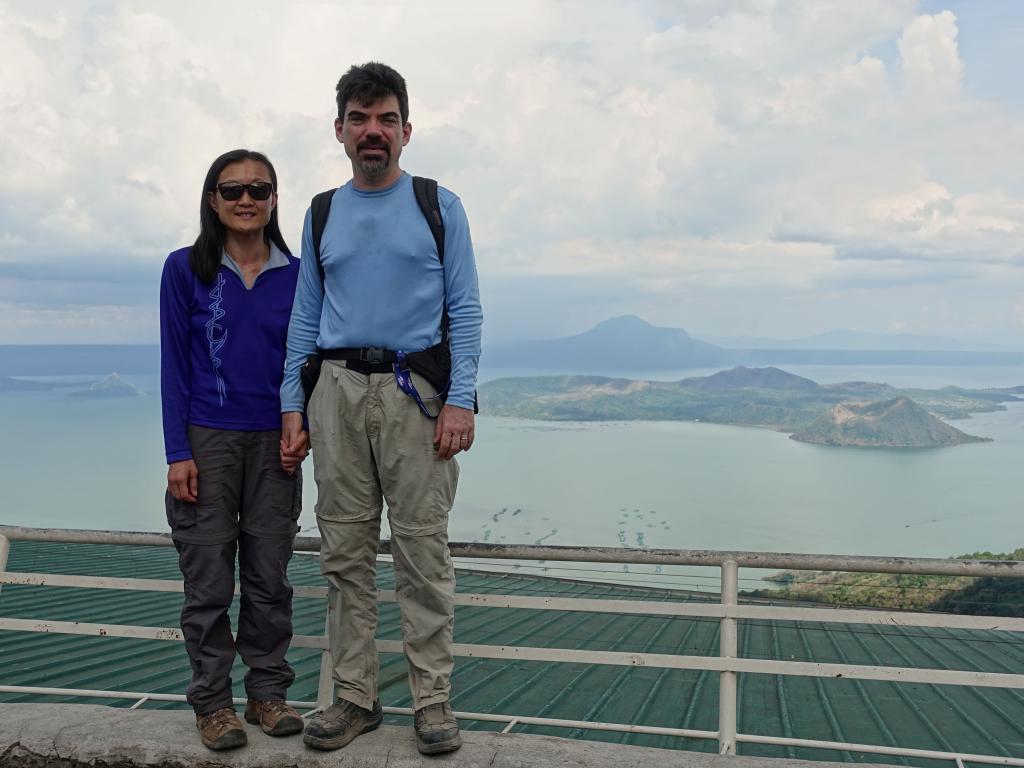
(949, 594)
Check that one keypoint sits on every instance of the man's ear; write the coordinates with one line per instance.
(339, 124)
(406, 133)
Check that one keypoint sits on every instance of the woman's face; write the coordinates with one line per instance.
(246, 215)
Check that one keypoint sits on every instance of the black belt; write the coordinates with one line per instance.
(362, 359)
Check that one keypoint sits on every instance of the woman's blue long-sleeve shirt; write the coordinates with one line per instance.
(222, 348)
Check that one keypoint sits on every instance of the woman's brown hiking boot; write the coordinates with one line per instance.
(275, 717)
(221, 729)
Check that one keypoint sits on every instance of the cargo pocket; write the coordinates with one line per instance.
(276, 502)
(181, 515)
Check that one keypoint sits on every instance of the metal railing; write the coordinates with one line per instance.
(728, 664)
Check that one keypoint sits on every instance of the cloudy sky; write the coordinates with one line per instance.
(734, 168)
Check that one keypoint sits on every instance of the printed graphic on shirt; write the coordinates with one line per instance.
(217, 334)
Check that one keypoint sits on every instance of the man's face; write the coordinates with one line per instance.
(373, 135)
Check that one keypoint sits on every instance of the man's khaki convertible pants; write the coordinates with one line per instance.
(372, 443)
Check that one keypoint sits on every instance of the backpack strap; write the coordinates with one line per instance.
(321, 209)
(426, 197)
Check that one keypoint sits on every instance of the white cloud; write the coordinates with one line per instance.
(920, 208)
(664, 263)
(809, 97)
(929, 53)
(765, 152)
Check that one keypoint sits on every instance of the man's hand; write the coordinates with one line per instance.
(294, 441)
(183, 480)
(454, 432)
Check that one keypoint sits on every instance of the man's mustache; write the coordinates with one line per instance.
(373, 144)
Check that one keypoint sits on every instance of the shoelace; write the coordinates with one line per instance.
(220, 717)
(275, 708)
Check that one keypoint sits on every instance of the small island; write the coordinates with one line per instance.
(111, 386)
(896, 423)
(858, 413)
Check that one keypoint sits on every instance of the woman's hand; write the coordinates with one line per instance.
(183, 480)
(294, 442)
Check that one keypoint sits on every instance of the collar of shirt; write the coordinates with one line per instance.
(277, 259)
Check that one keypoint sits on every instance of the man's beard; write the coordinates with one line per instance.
(375, 167)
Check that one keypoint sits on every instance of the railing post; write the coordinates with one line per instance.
(325, 683)
(5, 550)
(727, 649)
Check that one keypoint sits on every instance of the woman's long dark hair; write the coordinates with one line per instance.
(205, 257)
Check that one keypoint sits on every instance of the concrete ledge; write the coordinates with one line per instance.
(76, 735)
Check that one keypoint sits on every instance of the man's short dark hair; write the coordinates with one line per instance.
(368, 83)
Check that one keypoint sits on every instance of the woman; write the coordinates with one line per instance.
(224, 308)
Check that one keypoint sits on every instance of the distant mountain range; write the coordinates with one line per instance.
(625, 343)
(630, 343)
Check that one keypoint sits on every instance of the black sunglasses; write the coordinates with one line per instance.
(258, 190)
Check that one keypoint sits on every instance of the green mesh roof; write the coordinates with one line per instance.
(988, 721)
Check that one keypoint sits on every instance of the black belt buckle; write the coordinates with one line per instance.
(371, 355)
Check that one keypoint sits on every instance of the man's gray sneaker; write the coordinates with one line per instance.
(436, 729)
(341, 722)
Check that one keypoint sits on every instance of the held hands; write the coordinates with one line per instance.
(183, 480)
(454, 432)
(294, 441)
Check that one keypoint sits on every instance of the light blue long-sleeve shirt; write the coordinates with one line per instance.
(385, 286)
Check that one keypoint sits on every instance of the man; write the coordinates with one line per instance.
(383, 290)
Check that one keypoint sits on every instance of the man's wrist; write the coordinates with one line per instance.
(460, 398)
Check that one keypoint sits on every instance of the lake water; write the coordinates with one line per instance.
(76, 463)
